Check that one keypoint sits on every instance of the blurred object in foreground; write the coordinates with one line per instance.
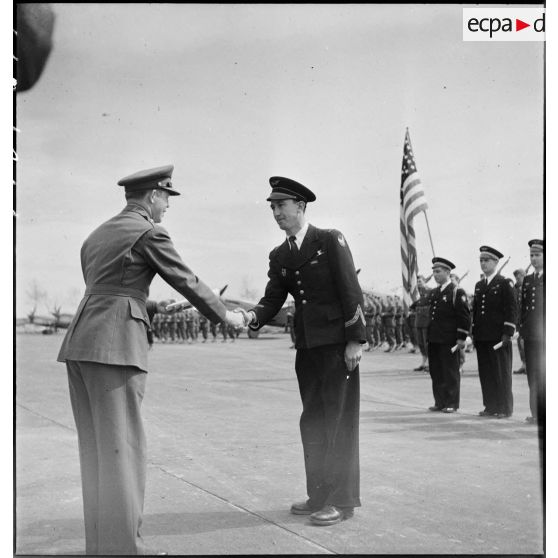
(35, 24)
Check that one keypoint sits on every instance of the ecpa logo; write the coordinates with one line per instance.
(503, 24)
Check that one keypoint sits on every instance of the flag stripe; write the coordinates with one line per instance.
(412, 202)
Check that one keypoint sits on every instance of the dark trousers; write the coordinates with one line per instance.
(390, 335)
(535, 366)
(495, 375)
(421, 335)
(444, 371)
(329, 425)
(106, 403)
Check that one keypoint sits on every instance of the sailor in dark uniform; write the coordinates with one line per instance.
(447, 331)
(494, 318)
(532, 329)
(316, 267)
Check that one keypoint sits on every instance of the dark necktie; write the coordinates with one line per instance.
(294, 247)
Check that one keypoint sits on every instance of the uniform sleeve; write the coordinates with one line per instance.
(274, 297)
(462, 314)
(346, 279)
(160, 253)
(510, 309)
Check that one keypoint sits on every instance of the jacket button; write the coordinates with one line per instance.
(297, 272)
(299, 282)
(304, 301)
(301, 291)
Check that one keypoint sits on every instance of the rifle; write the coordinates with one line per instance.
(463, 276)
(503, 265)
(527, 269)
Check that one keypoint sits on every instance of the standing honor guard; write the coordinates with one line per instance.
(447, 332)
(532, 329)
(494, 318)
(316, 267)
(105, 351)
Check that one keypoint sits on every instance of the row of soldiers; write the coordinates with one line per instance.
(188, 326)
(498, 311)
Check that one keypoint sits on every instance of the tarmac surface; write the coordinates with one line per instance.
(225, 458)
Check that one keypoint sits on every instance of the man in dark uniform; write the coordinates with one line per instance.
(519, 275)
(388, 321)
(105, 351)
(399, 339)
(421, 306)
(316, 267)
(447, 331)
(494, 318)
(532, 329)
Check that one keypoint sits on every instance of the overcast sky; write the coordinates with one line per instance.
(232, 95)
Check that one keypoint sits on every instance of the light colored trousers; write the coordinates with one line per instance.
(106, 401)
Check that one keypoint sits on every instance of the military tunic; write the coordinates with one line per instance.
(105, 350)
(494, 315)
(329, 313)
(532, 329)
(449, 321)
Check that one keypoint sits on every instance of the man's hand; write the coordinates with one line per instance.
(248, 316)
(236, 319)
(461, 343)
(353, 354)
(162, 305)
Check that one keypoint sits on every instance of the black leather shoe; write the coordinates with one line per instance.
(531, 420)
(502, 415)
(434, 408)
(418, 368)
(303, 508)
(329, 515)
(449, 410)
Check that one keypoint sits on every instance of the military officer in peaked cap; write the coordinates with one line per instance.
(494, 319)
(316, 267)
(105, 351)
(447, 331)
(532, 328)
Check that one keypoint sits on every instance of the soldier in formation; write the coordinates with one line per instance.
(494, 323)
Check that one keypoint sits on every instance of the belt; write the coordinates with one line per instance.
(115, 290)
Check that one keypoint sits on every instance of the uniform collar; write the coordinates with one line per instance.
(141, 208)
(443, 287)
(489, 278)
(300, 235)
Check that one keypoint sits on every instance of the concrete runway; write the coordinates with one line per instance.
(225, 458)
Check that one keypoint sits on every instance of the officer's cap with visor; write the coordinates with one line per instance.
(490, 253)
(150, 179)
(287, 189)
(536, 245)
(443, 263)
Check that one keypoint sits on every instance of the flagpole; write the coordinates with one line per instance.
(429, 235)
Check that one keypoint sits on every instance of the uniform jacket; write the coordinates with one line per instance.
(421, 306)
(494, 309)
(323, 282)
(449, 315)
(119, 260)
(388, 314)
(533, 307)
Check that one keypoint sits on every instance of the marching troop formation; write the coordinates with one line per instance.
(189, 326)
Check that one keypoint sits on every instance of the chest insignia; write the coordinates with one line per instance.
(341, 240)
(283, 271)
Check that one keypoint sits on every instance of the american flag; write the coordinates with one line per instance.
(412, 202)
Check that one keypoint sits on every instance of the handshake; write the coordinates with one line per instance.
(236, 318)
(239, 317)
